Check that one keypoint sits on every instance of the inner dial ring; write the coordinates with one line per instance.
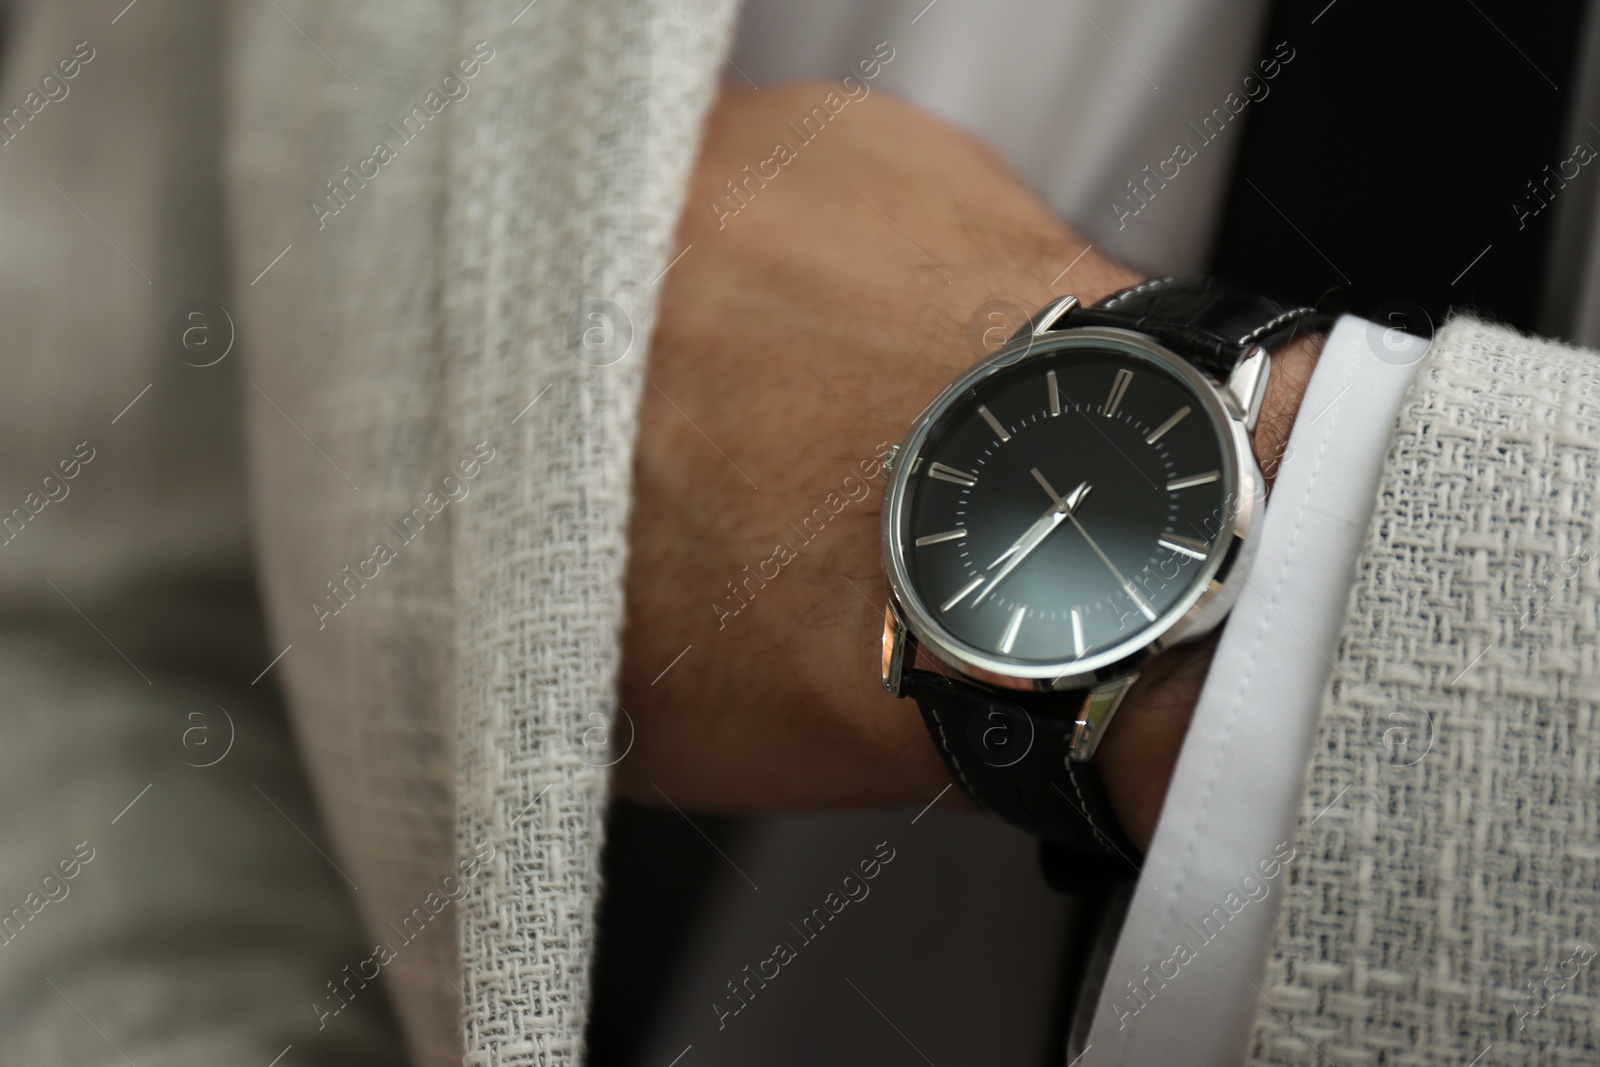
(1059, 510)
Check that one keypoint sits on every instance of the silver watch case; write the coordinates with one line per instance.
(1233, 405)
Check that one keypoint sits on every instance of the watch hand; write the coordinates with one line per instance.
(1048, 519)
(1034, 537)
(1127, 586)
(1061, 505)
(1044, 520)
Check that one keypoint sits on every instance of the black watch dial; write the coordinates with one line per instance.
(1066, 504)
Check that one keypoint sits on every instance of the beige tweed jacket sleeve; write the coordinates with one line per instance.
(416, 328)
(1445, 905)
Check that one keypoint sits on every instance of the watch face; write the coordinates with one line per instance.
(1061, 510)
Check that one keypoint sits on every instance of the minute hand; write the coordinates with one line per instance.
(1034, 538)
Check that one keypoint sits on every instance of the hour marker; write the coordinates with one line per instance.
(1161, 431)
(1144, 605)
(994, 423)
(962, 595)
(1055, 394)
(1119, 385)
(939, 538)
(1012, 627)
(1187, 546)
(1192, 480)
(950, 474)
(1077, 633)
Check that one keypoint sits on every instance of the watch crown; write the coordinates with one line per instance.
(888, 459)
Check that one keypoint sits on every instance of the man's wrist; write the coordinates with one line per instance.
(1290, 376)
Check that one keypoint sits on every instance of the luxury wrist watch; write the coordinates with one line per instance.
(1062, 512)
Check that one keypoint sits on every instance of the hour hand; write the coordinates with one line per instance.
(1033, 538)
(1048, 519)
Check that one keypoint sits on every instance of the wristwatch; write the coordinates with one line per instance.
(1062, 512)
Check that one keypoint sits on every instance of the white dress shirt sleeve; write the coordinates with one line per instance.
(1181, 988)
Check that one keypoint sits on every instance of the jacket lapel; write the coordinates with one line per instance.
(439, 193)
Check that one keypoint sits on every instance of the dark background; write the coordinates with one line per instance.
(1397, 142)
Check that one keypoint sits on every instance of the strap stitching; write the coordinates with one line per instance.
(1142, 287)
(966, 785)
(1268, 327)
(949, 750)
(1083, 808)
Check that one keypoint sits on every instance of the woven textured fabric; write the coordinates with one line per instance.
(1447, 891)
(604, 151)
(346, 404)
(420, 306)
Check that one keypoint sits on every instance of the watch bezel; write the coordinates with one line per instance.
(1200, 608)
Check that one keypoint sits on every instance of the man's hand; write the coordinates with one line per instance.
(810, 321)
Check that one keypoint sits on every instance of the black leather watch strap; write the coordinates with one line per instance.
(1207, 323)
(1009, 752)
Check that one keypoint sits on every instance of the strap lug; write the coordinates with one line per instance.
(1047, 318)
(1095, 717)
(1248, 384)
(898, 647)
